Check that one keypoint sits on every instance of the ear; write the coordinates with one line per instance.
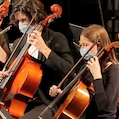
(98, 46)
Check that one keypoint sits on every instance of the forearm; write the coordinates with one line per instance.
(62, 63)
(3, 55)
(46, 52)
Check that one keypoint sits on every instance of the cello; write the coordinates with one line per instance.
(15, 94)
(81, 93)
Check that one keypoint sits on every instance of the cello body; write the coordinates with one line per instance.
(21, 86)
(81, 94)
(24, 75)
(76, 102)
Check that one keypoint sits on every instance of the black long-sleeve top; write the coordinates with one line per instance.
(59, 62)
(104, 102)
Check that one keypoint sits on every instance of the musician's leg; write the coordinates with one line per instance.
(35, 112)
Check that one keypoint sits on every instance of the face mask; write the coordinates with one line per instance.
(88, 55)
(24, 26)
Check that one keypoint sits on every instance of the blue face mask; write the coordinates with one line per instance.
(88, 55)
(24, 26)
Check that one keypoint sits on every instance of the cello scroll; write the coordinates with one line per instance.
(4, 9)
(57, 11)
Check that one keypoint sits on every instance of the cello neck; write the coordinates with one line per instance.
(14, 65)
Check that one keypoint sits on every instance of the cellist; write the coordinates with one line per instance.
(104, 74)
(48, 47)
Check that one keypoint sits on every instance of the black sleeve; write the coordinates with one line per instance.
(60, 58)
(106, 96)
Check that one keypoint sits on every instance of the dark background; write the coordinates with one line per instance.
(78, 12)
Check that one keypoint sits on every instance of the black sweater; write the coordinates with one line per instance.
(59, 62)
(104, 103)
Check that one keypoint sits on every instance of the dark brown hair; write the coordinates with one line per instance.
(29, 8)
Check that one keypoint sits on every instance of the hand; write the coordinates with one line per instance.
(54, 91)
(3, 74)
(94, 67)
(36, 39)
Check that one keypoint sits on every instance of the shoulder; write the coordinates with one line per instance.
(113, 66)
(113, 70)
(54, 34)
(112, 75)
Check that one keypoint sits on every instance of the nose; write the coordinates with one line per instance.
(20, 22)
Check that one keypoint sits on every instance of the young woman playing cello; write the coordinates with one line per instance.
(104, 74)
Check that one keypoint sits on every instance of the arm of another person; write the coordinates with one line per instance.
(4, 48)
(3, 55)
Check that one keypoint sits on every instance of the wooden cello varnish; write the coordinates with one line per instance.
(75, 103)
(80, 96)
(22, 86)
(24, 77)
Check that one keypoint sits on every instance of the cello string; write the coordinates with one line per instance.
(67, 88)
(59, 85)
(17, 60)
(8, 61)
(72, 83)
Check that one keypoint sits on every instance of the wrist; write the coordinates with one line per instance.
(97, 77)
(46, 52)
